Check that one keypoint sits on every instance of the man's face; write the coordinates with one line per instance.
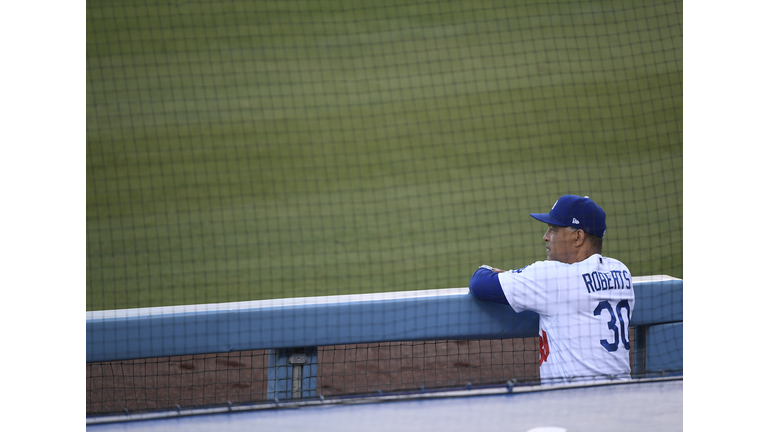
(559, 242)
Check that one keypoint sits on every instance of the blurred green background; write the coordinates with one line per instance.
(247, 150)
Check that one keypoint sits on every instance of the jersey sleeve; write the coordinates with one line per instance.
(485, 285)
(534, 288)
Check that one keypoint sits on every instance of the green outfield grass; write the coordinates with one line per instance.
(251, 150)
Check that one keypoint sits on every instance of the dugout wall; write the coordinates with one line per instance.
(298, 335)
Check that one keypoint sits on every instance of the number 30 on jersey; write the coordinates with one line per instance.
(623, 326)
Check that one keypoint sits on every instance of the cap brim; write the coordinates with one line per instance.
(547, 219)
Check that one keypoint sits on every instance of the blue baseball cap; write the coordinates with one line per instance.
(576, 212)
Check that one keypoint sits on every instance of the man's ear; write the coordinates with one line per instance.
(579, 237)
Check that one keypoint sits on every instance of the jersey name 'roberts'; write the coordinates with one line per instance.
(574, 346)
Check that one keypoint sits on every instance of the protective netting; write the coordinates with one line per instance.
(254, 150)
(251, 150)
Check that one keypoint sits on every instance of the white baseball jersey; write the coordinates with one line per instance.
(584, 311)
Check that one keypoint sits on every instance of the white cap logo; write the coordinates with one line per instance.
(575, 221)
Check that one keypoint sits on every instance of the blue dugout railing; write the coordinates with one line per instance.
(293, 328)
